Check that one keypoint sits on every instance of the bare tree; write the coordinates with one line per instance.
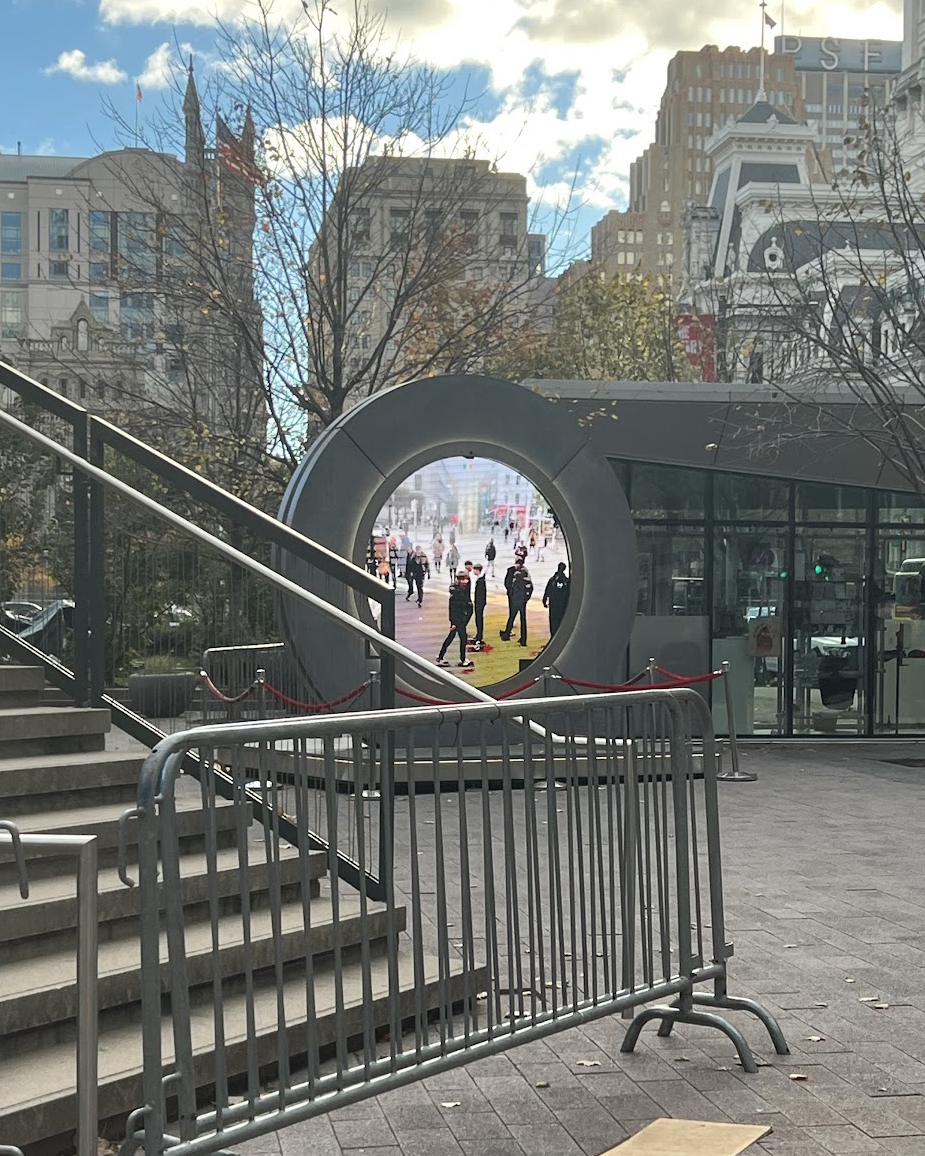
(370, 209)
(832, 313)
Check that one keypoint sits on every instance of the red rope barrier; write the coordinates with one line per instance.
(445, 702)
(688, 679)
(316, 705)
(230, 699)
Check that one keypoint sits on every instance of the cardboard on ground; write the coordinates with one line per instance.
(690, 1138)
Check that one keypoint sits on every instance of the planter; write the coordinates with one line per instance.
(161, 695)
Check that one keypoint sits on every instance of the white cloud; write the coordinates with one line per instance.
(74, 64)
(618, 53)
(161, 66)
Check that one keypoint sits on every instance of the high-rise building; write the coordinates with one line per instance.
(113, 269)
(839, 80)
(705, 89)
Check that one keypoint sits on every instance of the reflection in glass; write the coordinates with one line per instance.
(899, 618)
(667, 492)
(479, 565)
(749, 584)
(821, 502)
(828, 628)
(746, 498)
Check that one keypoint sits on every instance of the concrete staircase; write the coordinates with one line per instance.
(57, 777)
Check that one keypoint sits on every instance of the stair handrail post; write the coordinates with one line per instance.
(82, 579)
(96, 606)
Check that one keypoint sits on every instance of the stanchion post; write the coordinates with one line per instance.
(546, 680)
(378, 752)
(652, 671)
(734, 774)
(261, 694)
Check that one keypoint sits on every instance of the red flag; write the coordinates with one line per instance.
(770, 23)
(138, 95)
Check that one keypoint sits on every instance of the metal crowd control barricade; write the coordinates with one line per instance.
(589, 883)
(85, 849)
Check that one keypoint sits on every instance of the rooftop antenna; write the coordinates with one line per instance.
(19, 148)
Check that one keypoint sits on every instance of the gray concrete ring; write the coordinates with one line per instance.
(338, 490)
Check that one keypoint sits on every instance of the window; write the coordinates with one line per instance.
(99, 271)
(10, 271)
(99, 307)
(58, 234)
(508, 224)
(57, 269)
(432, 222)
(83, 338)
(400, 226)
(621, 236)
(173, 237)
(11, 314)
(10, 233)
(62, 386)
(136, 244)
(100, 232)
(136, 317)
(361, 224)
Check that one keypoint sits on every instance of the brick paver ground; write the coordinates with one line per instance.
(825, 901)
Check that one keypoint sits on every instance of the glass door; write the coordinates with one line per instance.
(829, 643)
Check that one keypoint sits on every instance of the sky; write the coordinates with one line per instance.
(568, 88)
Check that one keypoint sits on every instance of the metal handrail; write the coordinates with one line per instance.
(231, 554)
(196, 485)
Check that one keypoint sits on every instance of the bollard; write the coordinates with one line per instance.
(734, 774)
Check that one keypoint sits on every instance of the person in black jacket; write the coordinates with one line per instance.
(479, 598)
(414, 573)
(460, 611)
(555, 596)
(519, 591)
(491, 552)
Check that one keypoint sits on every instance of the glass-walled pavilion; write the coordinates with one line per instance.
(814, 593)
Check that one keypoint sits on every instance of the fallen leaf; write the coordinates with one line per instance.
(450, 1104)
(541, 1084)
(815, 1039)
(589, 1063)
(681, 1060)
(868, 998)
(881, 1006)
(791, 945)
(850, 980)
(724, 1068)
(482, 995)
(820, 1005)
(798, 1076)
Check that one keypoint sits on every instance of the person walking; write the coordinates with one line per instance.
(460, 610)
(414, 572)
(533, 540)
(479, 599)
(491, 552)
(436, 548)
(507, 531)
(393, 561)
(555, 597)
(519, 594)
(452, 558)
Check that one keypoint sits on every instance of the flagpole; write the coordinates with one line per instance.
(761, 93)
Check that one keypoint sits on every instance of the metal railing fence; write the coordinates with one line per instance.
(85, 849)
(137, 598)
(590, 883)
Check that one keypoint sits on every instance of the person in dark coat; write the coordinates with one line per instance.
(479, 598)
(519, 593)
(491, 552)
(414, 573)
(555, 597)
(460, 611)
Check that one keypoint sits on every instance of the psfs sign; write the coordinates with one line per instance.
(832, 54)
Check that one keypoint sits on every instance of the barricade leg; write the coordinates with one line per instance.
(672, 1015)
(736, 1003)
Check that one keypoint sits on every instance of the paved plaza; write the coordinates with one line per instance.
(824, 867)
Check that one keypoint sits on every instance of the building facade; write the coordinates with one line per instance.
(839, 80)
(111, 276)
(704, 89)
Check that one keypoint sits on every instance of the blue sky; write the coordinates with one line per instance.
(570, 86)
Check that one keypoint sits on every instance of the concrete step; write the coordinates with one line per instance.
(37, 1099)
(40, 991)
(103, 821)
(21, 686)
(56, 782)
(49, 915)
(40, 730)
